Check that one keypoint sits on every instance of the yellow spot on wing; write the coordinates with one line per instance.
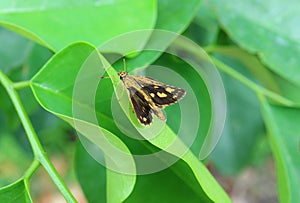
(155, 86)
(152, 95)
(161, 94)
(170, 90)
(144, 119)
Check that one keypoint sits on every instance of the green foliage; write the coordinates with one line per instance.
(44, 47)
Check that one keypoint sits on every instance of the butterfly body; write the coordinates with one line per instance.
(149, 96)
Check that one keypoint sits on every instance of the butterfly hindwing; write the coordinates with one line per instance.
(141, 107)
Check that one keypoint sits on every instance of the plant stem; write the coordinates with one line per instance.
(38, 151)
(256, 88)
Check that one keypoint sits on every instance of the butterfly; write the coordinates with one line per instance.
(148, 96)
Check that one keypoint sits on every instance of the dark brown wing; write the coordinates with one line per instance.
(163, 95)
(141, 107)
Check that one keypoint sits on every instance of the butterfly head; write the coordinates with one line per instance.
(122, 74)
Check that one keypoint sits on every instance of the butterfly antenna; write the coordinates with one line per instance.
(124, 61)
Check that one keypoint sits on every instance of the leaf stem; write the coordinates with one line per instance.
(37, 148)
(256, 88)
(32, 168)
(21, 85)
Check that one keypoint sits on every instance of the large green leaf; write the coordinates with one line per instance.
(283, 127)
(16, 192)
(58, 23)
(268, 28)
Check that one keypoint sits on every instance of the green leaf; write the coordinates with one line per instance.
(268, 28)
(16, 192)
(57, 23)
(56, 74)
(283, 126)
(174, 184)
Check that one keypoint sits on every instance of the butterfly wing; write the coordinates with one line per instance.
(162, 97)
(149, 96)
(141, 107)
(161, 94)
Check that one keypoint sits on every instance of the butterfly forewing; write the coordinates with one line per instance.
(164, 95)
